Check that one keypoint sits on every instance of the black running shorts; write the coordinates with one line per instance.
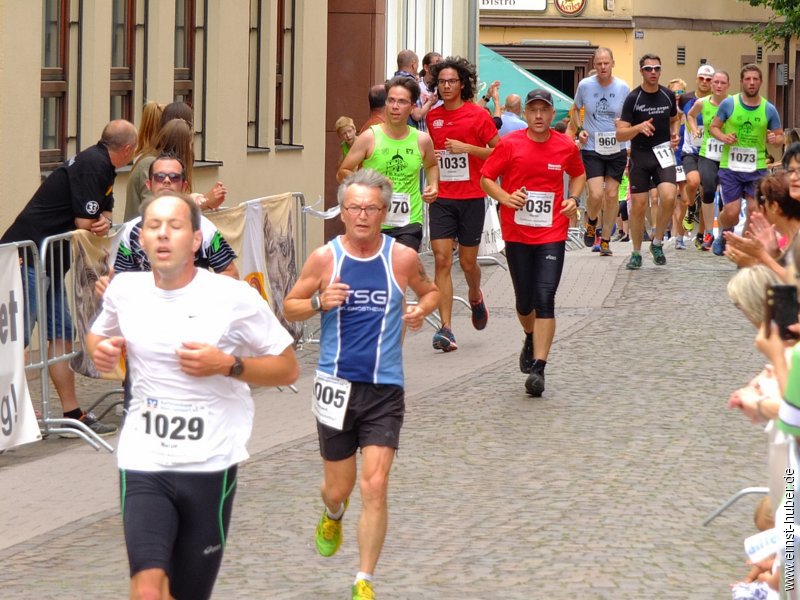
(374, 417)
(460, 220)
(601, 165)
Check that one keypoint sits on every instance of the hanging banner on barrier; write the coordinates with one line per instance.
(17, 419)
(261, 232)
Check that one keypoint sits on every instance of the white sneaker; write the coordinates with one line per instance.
(679, 243)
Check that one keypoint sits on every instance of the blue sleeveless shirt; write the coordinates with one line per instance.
(360, 339)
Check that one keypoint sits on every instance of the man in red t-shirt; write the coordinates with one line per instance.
(534, 218)
(463, 136)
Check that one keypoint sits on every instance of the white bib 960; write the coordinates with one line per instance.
(537, 211)
(605, 142)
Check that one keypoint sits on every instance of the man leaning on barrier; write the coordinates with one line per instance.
(77, 195)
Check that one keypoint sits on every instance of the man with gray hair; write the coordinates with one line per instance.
(358, 282)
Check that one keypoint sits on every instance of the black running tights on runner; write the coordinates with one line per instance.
(178, 522)
(535, 272)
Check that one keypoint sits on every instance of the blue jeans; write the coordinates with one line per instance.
(59, 322)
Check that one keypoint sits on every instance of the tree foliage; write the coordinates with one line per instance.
(784, 22)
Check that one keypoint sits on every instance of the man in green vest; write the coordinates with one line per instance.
(745, 123)
(398, 152)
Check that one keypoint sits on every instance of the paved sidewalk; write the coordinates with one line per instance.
(597, 490)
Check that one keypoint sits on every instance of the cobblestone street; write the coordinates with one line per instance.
(596, 490)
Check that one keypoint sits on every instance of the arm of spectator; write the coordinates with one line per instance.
(230, 271)
(98, 226)
(750, 250)
(420, 112)
(770, 344)
(214, 197)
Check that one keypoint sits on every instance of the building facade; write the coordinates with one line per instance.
(555, 40)
(253, 71)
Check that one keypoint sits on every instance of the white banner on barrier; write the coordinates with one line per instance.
(17, 418)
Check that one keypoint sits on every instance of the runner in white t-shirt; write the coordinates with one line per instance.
(194, 340)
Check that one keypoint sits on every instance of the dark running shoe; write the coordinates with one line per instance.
(658, 254)
(480, 314)
(534, 384)
(92, 423)
(526, 356)
(589, 235)
(444, 340)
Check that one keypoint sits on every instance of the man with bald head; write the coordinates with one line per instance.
(512, 121)
(377, 107)
(77, 195)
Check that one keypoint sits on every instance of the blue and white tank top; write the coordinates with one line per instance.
(360, 339)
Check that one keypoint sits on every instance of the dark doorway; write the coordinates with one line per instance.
(560, 79)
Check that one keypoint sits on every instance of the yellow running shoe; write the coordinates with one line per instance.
(362, 590)
(328, 536)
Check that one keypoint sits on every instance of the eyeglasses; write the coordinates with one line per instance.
(397, 102)
(162, 177)
(680, 92)
(450, 82)
(792, 172)
(652, 68)
(705, 79)
(355, 210)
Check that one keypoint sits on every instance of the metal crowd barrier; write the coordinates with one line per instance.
(54, 248)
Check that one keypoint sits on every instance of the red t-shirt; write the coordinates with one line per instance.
(539, 167)
(460, 174)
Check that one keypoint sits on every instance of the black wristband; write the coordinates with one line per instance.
(577, 200)
(487, 98)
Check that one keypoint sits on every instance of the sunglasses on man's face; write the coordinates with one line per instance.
(652, 68)
(162, 177)
(706, 79)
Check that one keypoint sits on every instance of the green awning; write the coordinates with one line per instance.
(515, 80)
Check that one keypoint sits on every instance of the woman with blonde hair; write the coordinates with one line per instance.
(149, 126)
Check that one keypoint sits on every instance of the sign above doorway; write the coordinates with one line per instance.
(539, 5)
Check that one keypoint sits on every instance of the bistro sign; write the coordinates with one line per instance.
(513, 5)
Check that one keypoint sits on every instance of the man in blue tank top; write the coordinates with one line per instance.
(358, 282)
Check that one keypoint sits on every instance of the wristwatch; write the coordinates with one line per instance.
(316, 303)
(577, 200)
(237, 368)
(487, 98)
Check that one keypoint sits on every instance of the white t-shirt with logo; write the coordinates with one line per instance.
(178, 422)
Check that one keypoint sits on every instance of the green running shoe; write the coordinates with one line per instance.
(658, 254)
(635, 262)
(362, 590)
(328, 536)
